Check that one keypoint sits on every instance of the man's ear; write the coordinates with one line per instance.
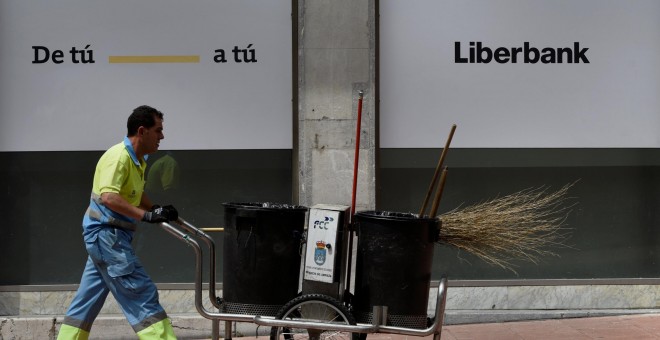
(140, 131)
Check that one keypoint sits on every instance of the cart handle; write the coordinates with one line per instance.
(199, 232)
(198, 270)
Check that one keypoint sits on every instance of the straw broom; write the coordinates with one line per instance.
(519, 226)
(522, 225)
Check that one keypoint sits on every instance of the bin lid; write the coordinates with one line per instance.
(392, 216)
(263, 206)
(332, 207)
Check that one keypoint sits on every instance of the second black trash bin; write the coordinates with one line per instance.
(393, 266)
(261, 257)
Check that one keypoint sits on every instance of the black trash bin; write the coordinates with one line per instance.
(393, 266)
(261, 257)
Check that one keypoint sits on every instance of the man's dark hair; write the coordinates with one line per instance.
(142, 116)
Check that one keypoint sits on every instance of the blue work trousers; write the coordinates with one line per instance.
(113, 267)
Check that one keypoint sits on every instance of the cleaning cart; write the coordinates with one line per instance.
(391, 281)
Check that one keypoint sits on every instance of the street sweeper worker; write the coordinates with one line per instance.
(116, 206)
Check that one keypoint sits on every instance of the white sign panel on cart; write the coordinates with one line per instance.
(322, 244)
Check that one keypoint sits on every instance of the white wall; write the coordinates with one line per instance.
(613, 101)
(207, 105)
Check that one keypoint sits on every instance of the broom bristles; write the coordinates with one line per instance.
(519, 226)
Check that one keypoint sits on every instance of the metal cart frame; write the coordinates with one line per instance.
(188, 233)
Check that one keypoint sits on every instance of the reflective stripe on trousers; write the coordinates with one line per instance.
(113, 268)
(161, 330)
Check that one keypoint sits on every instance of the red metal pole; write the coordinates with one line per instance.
(357, 152)
(355, 176)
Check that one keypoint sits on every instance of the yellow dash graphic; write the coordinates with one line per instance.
(146, 59)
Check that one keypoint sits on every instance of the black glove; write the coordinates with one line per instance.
(170, 213)
(155, 215)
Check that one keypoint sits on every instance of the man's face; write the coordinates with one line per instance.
(151, 137)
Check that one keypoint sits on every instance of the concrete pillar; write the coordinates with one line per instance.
(336, 59)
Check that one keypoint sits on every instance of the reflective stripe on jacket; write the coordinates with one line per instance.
(99, 213)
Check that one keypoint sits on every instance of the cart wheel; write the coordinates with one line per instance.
(317, 308)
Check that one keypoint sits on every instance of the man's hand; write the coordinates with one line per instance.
(155, 215)
(170, 213)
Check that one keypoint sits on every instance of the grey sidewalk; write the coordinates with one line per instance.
(565, 327)
(632, 327)
(645, 326)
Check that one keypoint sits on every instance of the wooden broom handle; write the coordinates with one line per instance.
(438, 193)
(437, 171)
